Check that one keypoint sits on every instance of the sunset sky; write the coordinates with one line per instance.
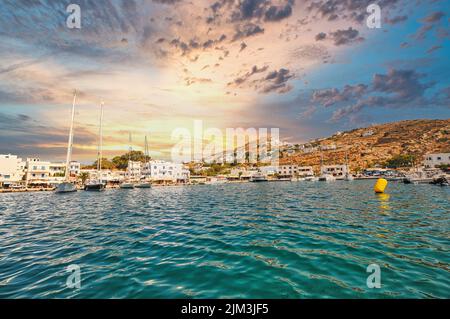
(309, 67)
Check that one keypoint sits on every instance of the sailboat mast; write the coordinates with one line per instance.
(100, 142)
(70, 142)
(146, 151)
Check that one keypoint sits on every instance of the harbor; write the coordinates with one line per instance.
(301, 240)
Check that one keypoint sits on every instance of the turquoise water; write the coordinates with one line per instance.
(254, 240)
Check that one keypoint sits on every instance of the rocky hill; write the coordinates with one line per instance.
(366, 147)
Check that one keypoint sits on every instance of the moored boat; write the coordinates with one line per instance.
(67, 186)
(97, 184)
(144, 185)
(327, 178)
(94, 186)
(127, 185)
(258, 177)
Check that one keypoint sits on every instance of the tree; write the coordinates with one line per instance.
(121, 162)
(397, 161)
(84, 176)
(106, 164)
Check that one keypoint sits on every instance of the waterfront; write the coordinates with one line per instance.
(250, 240)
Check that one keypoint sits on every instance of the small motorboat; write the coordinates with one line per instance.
(66, 188)
(441, 181)
(327, 178)
(349, 177)
(144, 185)
(258, 177)
(127, 185)
(94, 186)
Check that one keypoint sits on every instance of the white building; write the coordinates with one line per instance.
(433, 160)
(11, 169)
(43, 172)
(37, 171)
(305, 171)
(106, 175)
(269, 170)
(287, 170)
(335, 170)
(74, 168)
(367, 133)
(165, 171)
(134, 170)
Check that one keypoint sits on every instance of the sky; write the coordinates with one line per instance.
(309, 68)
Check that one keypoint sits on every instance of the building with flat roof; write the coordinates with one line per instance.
(335, 170)
(433, 160)
(12, 170)
(165, 171)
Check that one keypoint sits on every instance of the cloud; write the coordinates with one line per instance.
(342, 37)
(259, 9)
(333, 96)
(240, 80)
(165, 1)
(396, 19)
(276, 81)
(397, 88)
(433, 17)
(353, 10)
(275, 13)
(247, 30)
(428, 24)
(434, 48)
(25, 135)
(192, 80)
(405, 85)
(320, 36)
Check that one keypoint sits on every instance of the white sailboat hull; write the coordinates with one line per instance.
(144, 185)
(127, 185)
(66, 188)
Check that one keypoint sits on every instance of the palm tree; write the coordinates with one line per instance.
(84, 176)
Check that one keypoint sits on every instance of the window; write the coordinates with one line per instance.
(439, 158)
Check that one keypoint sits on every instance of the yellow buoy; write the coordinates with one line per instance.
(380, 185)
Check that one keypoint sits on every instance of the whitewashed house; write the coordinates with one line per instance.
(433, 160)
(11, 169)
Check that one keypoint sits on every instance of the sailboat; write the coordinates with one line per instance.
(325, 177)
(67, 186)
(144, 183)
(348, 175)
(97, 184)
(128, 184)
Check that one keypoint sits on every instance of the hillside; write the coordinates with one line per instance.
(374, 145)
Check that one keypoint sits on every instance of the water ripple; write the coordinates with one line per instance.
(265, 240)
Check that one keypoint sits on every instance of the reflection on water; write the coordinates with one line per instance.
(384, 203)
(255, 240)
